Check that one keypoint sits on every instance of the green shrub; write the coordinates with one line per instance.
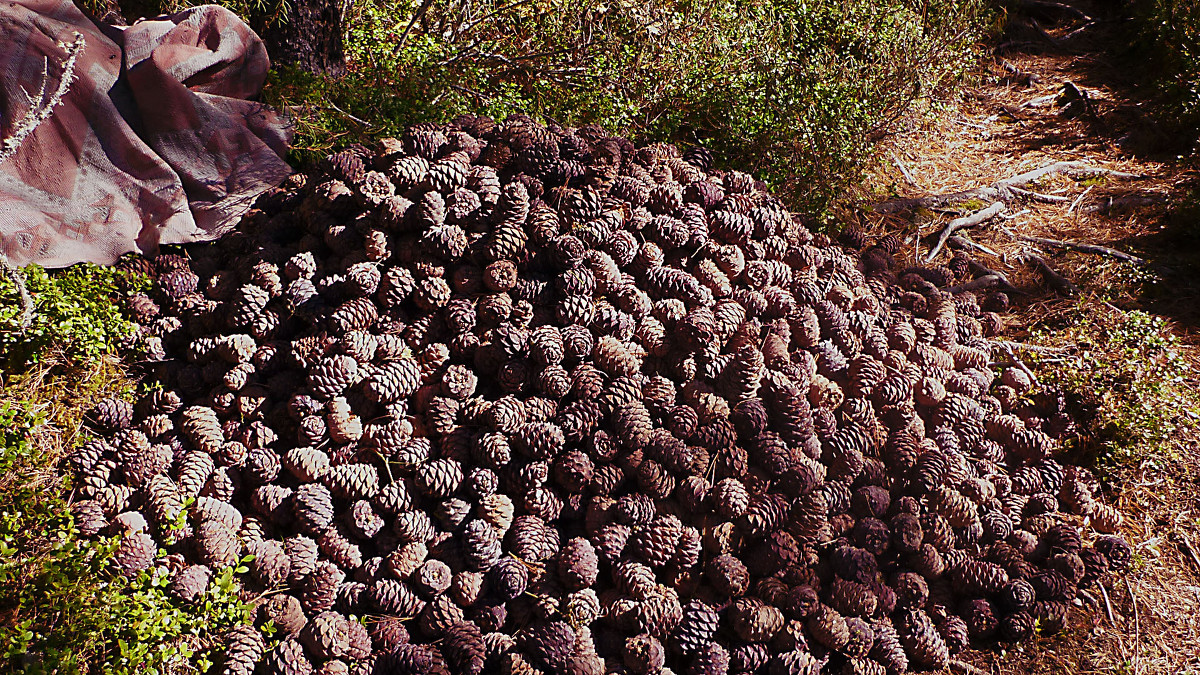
(1167, 39)
(795, 91)
(1129, 379)
(76, 314)
(62, 608)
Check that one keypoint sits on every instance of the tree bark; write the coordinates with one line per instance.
(310, 37)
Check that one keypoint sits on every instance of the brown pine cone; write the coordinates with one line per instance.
(327, 635)
(728, 575)
(271, 564)
(643, 654)
(243, 649)
(922, 642)
(286, 613)
(190, 583)
(578, 564)
(287, 658)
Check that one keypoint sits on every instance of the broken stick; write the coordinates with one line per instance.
(956, 241)
(980, 270)
(1035, 349)
(964, 668)
(976, 218)
(985, 281)
(1002, 190)
(1058, 282)
(1083, 248)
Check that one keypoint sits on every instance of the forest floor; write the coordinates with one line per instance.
(1057, 90)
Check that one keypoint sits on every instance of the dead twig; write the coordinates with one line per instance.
(1079, 199)
(1002, 190)
(985, 281)
(24, 300)
(1033, 349)
(1037, 196)
(965, 668)
(1012, 354)
(1137, 625)
(1058, 282)
(1109, 203)
(1083, 248)
(1186, 544)
(1108, 610)
(1026, 78)
(1039, 101)
(960, 242)
(903, 169)
(42, 105)
(1045, 7)
(415, 18)
(976, 218)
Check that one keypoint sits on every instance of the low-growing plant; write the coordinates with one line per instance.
(1129, 377)
(63, 608)
(76, 314)
(797, 92)
(1166, 35)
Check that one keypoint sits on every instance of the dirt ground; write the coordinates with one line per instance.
(1058, 90)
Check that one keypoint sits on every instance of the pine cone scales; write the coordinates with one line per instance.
(534, 399)
(243, 650)
(922, 641)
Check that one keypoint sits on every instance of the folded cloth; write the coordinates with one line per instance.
(154, 142)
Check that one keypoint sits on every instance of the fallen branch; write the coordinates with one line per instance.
(976, 218)
(962, 242)
(1002, 190)
(1073, 169)
(1033, 349)
(985, 281)
(1083, 248)
(980, 270)
(965, 668)
(1109, 204)
(1058, 282)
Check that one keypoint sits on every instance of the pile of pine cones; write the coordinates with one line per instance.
(513, 399)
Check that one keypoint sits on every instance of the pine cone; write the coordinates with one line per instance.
(190, 583)
(352, 481)
(243, 649)
(135, 552)
(578, 564)
(313, 507)
(923, 644)
(327, 635)
(728, 575)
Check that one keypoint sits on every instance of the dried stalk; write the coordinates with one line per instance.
(1002, 190)
(953, 226)
(40, 107)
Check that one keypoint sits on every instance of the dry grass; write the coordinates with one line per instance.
(994, 133)
(61, 394)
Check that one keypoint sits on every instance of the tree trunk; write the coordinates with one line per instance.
(310, 37)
